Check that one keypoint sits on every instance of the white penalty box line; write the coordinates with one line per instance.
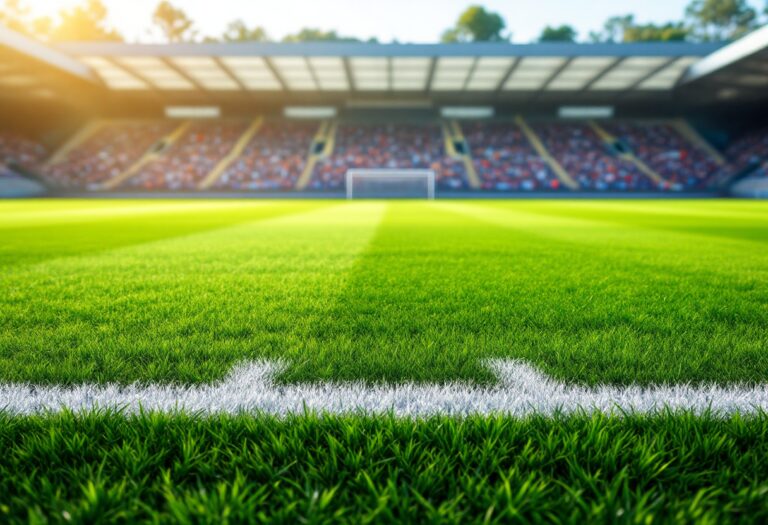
(521, 391)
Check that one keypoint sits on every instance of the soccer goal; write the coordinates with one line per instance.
(390, 184)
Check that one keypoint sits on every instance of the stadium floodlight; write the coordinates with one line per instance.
(309, 112)
(192, 112)
(585, 112)
(470, 112)
(390, 183)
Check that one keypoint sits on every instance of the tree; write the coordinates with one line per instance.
(624, 29)
(713, 20)
(238, 31)
(476, 24)
(615, 27)
(669, 32)
(15, 16)
(564, 33)
(174, 23)
(87, 21)
(309, 34)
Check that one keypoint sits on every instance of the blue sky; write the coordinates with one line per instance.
(404, 20)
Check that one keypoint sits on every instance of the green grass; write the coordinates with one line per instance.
(165, 469)
(589, 291)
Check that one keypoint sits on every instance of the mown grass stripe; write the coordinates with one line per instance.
(185, 308)
(434, 294)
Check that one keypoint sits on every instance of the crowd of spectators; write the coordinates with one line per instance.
(18, 151)
(272, 160)
(109, 151)
(385, 146)
(589, 160)
(277, 154)
(506, 161)
(186, 162)
(748, 151)
(682, 164)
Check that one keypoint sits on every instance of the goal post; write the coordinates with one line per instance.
(390, 183)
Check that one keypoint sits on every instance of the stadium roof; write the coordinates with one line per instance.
(737, 71)
(29, 68)
(480, 71)
(351, 72)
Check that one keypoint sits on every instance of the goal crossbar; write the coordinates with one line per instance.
(391, 175)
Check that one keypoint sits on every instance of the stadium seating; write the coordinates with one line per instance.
(110, 150)
(587, 159)
(21, 151)
(682, 164)
(277, 155)
(191, 158)
(748, 150)
(403, 146)
(272, 160)
(505, 160)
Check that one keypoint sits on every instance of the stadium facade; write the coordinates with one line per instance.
(495, 117)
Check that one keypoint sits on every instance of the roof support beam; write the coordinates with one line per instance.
(556, 74)
(551, 79)
(232, 76)
(470, 73)
(645, 77)
(133, 72)
(348, 72)
(184, 74)
(505, 78)
(431, 74)
(602, 74)
(271, 66)
(312, 74)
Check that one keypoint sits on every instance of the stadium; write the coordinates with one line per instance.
(331, 281)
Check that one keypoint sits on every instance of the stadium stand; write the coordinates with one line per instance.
(19, 154)
(588, 160)
(190, 159)
(505, 160)
(402, 146)
(106, 153)
(275, 155)
(762, 171)
(21, 151)
(683, 164)
(272, 160)
(750, 150)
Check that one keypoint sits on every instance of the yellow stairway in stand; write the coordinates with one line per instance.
(693, 136)
(148, 157)
(631, 157)
(543, 152)
(327, 133)
(76, 140)
(234, 153)
(452, 134)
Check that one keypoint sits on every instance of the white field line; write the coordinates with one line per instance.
(522, 390)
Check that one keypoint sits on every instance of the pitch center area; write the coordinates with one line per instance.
(588, 292)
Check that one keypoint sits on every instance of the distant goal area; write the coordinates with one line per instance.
(390, 184)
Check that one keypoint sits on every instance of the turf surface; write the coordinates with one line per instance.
(164, 469)
(588, 291)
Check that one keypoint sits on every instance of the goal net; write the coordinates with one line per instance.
(390, 184)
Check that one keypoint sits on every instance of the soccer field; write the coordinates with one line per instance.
(623, 294)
